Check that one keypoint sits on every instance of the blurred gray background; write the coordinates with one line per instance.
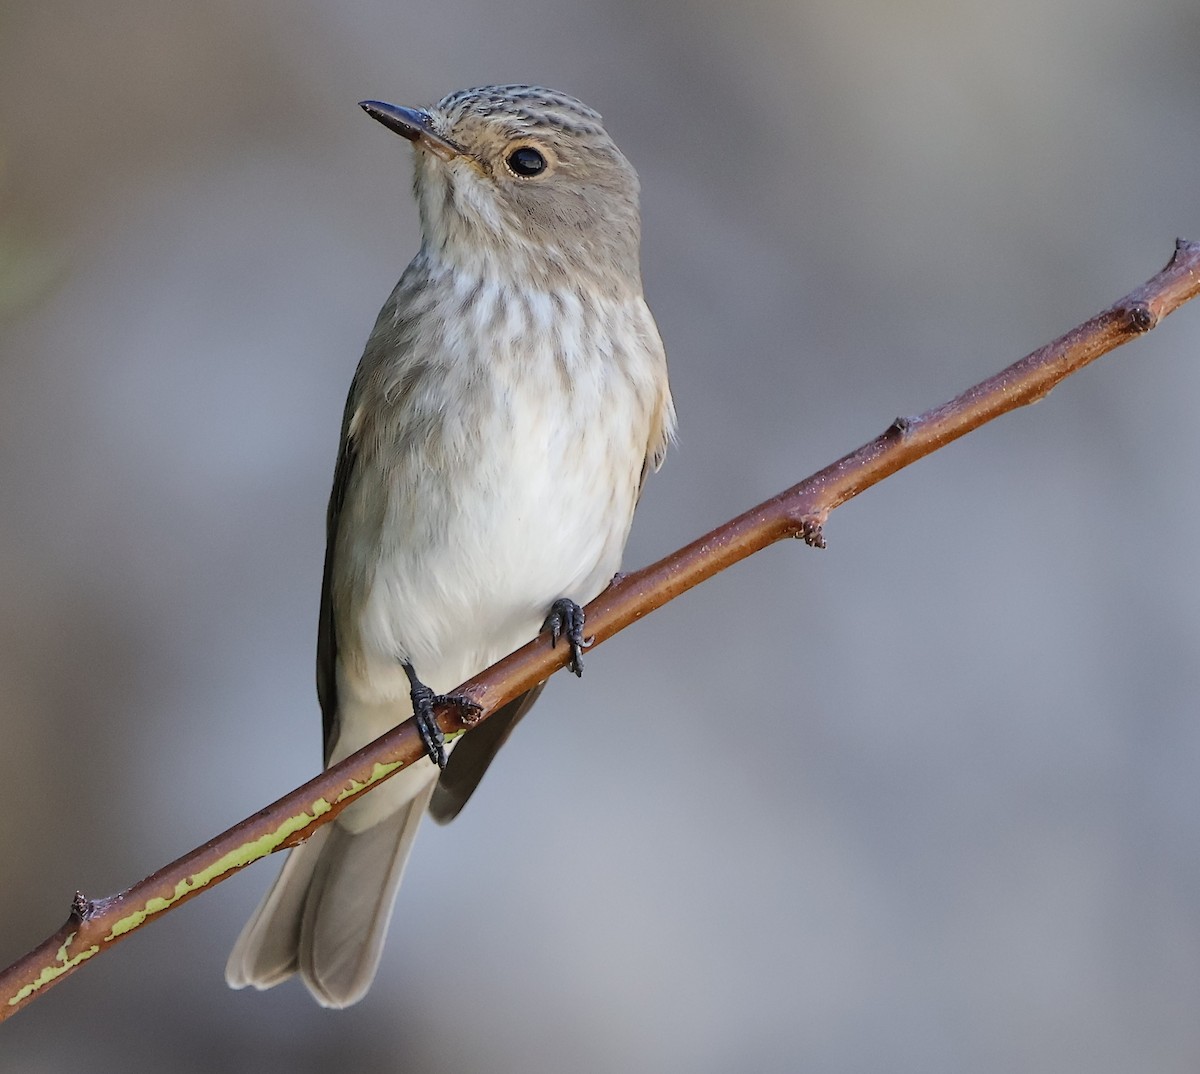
(926, 801)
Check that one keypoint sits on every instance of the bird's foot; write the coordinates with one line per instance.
(566, 621)
(423, 702)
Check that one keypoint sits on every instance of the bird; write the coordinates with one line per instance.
(510, 401)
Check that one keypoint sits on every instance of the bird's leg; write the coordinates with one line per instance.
(423, 700)
(566, 621)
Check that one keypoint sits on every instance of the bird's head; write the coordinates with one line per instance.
(525, 179)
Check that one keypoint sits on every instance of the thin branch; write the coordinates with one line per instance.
(801, 511)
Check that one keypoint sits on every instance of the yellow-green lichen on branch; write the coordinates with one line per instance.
(377, 773)
(247, 852)
(49, 973)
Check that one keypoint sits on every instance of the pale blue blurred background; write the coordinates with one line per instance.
(926, 801)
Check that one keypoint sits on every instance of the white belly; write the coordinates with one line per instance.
(451, 552)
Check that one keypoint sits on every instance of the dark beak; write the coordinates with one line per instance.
(412, 124)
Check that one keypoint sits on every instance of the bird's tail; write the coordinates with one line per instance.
(326, 916)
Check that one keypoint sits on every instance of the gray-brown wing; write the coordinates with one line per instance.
(326, 630)
(473, 753)
(661, 433)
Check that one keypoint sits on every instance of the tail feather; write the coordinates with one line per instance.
(350, 902)
(327, 914)
(266, 950)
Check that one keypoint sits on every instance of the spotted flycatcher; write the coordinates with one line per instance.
(510, 401)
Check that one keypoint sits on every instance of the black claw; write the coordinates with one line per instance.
(566, 620)
(423, 702)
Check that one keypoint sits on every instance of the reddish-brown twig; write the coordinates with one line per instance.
(801, 511)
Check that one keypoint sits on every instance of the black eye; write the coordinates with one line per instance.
(526, 161)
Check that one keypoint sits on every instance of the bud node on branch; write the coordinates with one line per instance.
(1141, 317)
